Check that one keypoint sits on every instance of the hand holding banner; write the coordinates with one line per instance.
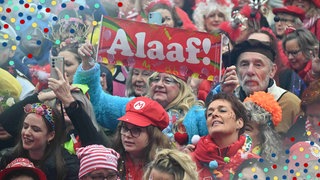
(159, 48)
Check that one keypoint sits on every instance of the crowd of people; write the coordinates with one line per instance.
(105, 121)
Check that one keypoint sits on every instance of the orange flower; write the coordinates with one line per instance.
(267, 102)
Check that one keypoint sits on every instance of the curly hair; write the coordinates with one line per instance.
(175, 163)
(205, 9)
(270, 139)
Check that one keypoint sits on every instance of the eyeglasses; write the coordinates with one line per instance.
(165, 80)
(282, 20)
(293, 53)
(100, 176)
(135, 132)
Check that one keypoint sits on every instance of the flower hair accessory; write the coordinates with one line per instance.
(267, 102)
(42, 110)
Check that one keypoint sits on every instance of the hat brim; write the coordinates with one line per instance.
(37, 171)
(292, 12)
(136, 119)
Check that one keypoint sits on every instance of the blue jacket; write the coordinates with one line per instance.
(109, 108)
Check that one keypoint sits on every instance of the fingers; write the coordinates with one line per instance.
(229, 75)
(59, 73)
(86, 50)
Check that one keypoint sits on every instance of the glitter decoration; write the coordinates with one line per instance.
(13, 48)
(253, 169)
(32, 9)
(292, 139)
(265, 170)
(240, 175)
(5, 36)
(120, 4)
(301, 149)
(34, 25)
(30, 56)
(275, 178)
(255, 176)
(18, 28)
(308, 133)
(57, 42)
(285, 168)
(45, 30)
(11, 63)
(13, 20)
(53, 3)
(29, 37)
(96, 5)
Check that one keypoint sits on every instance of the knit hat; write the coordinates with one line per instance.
(22, 164)
(252, 45)
(292, 10)
(143, 111)
(95, 157)
(303, 153)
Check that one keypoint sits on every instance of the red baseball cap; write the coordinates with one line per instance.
(292, 10)
(19, 164)
(143, 111)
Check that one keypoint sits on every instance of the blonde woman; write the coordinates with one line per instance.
(186, 114)
(171, 164)
(210, 14)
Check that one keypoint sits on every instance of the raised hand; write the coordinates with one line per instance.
(61, 88)
(229, 80)
(86, 53)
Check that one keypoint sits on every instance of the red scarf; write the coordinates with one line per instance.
(133, 172)
(239, 151)
(302, 73)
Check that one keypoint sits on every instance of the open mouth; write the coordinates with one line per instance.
(216, 123)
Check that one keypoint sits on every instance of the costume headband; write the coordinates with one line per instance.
(42, 110)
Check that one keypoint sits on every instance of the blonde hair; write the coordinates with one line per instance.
(184, 100)
(175, 163)
(205, 9)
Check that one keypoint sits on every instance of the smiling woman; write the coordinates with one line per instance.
(41, 136)
(219, 153)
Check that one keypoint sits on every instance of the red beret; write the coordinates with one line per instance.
(292, 10)
(315, 2)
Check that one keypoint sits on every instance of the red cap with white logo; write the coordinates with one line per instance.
(143, 111)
